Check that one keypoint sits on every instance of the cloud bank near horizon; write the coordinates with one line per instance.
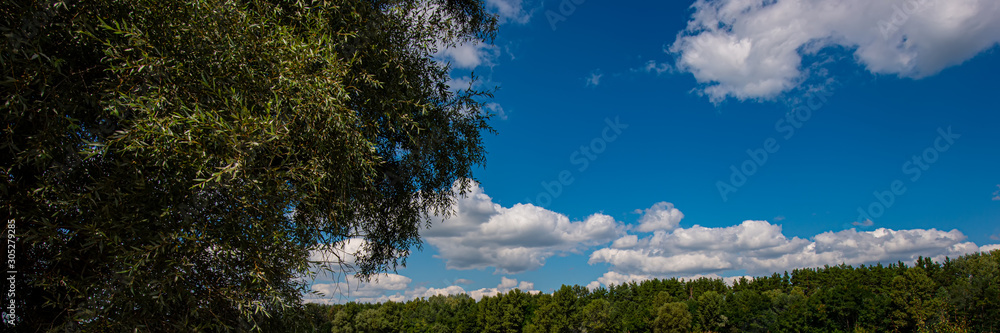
(482, 234)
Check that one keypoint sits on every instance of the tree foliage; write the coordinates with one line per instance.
(171, 163)
(954, 296)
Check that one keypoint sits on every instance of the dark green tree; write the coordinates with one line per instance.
(672, 317)
(171, 163)
(373, 320)
(556, 312)
(343, 322)
(975, 291)
(913, 301)
(513, 306)
(595, 317)
(710, 311)
(958, 296)
(490, 314)
(748, 310)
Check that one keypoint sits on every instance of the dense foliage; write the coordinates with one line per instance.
(169, 164)
(961, 295)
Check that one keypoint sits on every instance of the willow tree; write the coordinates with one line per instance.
(169, 164)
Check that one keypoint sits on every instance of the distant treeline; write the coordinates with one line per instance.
(960, 295)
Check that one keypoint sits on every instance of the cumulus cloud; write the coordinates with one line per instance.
(484, 234)
(996, 195)
(759, 247)
(662, 216)
(625, 242)
(506, 284)
(615, 278)
(397, 288)
(753, 49)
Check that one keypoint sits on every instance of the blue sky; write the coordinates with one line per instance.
(860, 132)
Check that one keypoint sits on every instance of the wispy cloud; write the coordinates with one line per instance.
(654, 67)
(594, 79)
(865, 223)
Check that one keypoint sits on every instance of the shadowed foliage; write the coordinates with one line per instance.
(170, 164)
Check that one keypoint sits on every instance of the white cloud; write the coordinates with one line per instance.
(625, 242)
(753, 49)
(483, 234)
(506, 284)
(661, 216)
(396, 288)
(615, 278)
(759, 247)
(496, 109)
(509, 10)
(344, 253)
(526, 286)
(351, 286)
(469, 55)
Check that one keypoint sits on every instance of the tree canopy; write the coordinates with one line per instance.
(959, 295)
(170, 163)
